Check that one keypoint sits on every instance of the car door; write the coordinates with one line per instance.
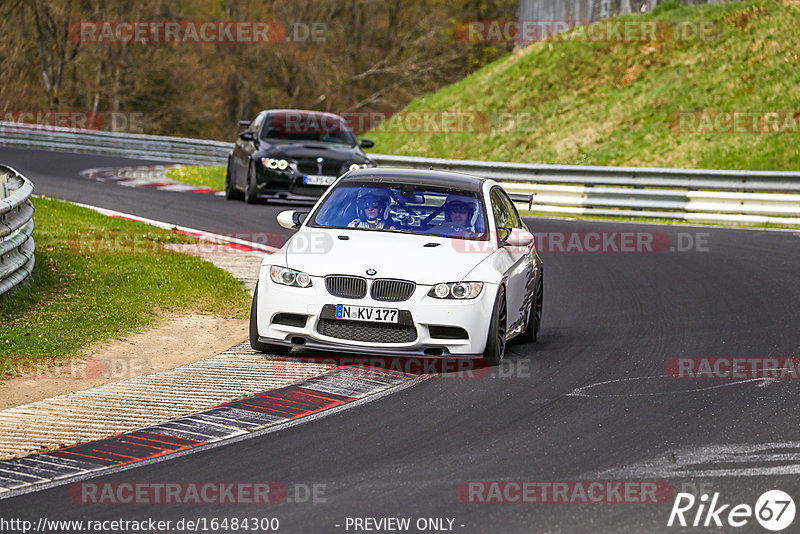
(518, 260)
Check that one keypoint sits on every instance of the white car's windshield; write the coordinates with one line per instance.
(403, 208)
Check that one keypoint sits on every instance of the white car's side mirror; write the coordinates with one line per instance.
(518, 238)
(288, 219)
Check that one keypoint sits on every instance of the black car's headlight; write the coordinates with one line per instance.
(365, 165)
(456, 290)
(289, 277)
(275, 163)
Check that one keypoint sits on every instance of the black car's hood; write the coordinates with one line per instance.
(305, 151)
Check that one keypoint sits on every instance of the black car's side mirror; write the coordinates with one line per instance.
(366, 143)
(246, 136)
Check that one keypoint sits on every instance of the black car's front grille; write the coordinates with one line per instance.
(310, 166)
(389, 290)
(368, 332)
(346, 287)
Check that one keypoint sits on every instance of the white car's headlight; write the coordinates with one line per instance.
(289, 277)
(456, 290)
(273, 163)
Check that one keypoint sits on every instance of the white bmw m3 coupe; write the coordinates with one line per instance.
(402, 262)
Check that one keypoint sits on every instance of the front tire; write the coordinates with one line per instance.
(496, 338)
(278, 350)
(231, 193)
(250, 193)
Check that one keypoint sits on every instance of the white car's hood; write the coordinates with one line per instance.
(392, 255)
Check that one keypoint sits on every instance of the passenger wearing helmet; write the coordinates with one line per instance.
(458, 213)
(373, 209)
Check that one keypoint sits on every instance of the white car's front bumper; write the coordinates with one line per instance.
(440, 327)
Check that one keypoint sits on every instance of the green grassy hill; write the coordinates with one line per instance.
(619, 103)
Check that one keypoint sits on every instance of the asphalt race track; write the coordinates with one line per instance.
(591, 400)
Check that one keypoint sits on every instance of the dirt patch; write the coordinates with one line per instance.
(177, 341)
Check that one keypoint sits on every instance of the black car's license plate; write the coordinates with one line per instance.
(312, 179)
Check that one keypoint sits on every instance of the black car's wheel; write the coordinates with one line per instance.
(496, 339)
(531, 332)
(278, 350)
(231, 193)
(250, 194)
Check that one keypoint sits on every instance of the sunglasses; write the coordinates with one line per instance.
(371, 205)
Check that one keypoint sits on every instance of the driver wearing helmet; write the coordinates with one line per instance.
(373, 209)
(458, 213)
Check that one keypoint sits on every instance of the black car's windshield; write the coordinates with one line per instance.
(423, 210)
(303, 126)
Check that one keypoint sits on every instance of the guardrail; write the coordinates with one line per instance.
(16, 229)
(648, 192)
(173, 149)
(688, 194)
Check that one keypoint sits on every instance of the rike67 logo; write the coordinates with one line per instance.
(774, 510)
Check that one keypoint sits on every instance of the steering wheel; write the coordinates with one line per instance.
(450, 228)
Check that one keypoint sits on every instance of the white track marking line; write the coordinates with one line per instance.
(581, 391)
(201, 234)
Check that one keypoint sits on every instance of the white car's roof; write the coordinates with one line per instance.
(417, 177)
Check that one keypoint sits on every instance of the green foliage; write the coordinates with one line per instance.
(663, 7)
(211, 177)
(567, 101)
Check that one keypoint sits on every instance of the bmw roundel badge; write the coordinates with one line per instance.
(372, 272)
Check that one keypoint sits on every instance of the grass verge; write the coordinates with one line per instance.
(201, 176)
(99, 278)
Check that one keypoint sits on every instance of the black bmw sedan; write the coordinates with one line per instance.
(284, 153)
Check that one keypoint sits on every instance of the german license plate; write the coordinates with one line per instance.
(365, 313)
(313, 179)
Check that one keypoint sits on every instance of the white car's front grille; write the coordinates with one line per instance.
(346, 287)
(392, 290)
(355, 287)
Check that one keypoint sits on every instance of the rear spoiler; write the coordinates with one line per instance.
(523, 197)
